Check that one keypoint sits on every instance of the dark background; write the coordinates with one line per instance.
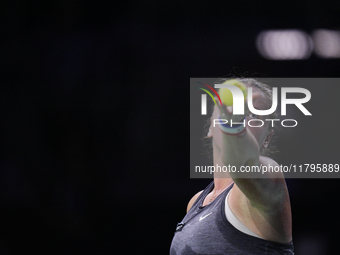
(95, 118)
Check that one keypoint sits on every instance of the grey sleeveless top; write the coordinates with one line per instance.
(206, 230)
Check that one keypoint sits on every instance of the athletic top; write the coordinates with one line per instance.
(206, 230)
(233, 220)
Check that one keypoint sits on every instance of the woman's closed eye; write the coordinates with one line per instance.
(253, 116)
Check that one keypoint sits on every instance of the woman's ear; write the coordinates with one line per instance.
(209, 132)
(267, 140)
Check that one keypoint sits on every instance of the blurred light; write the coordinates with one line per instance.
(284, 44)
(327, 43)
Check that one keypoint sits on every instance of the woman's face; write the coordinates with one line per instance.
(261, 134)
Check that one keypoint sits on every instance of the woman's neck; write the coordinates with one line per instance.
(222, 183)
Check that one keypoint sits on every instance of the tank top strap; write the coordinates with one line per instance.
(201, 197)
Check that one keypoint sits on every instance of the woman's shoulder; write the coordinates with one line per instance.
(268, 161)
(271, 168)
(193, 199)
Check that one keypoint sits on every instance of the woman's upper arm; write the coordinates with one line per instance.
(266, 193)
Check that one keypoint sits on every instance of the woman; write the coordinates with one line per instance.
(233, 214)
